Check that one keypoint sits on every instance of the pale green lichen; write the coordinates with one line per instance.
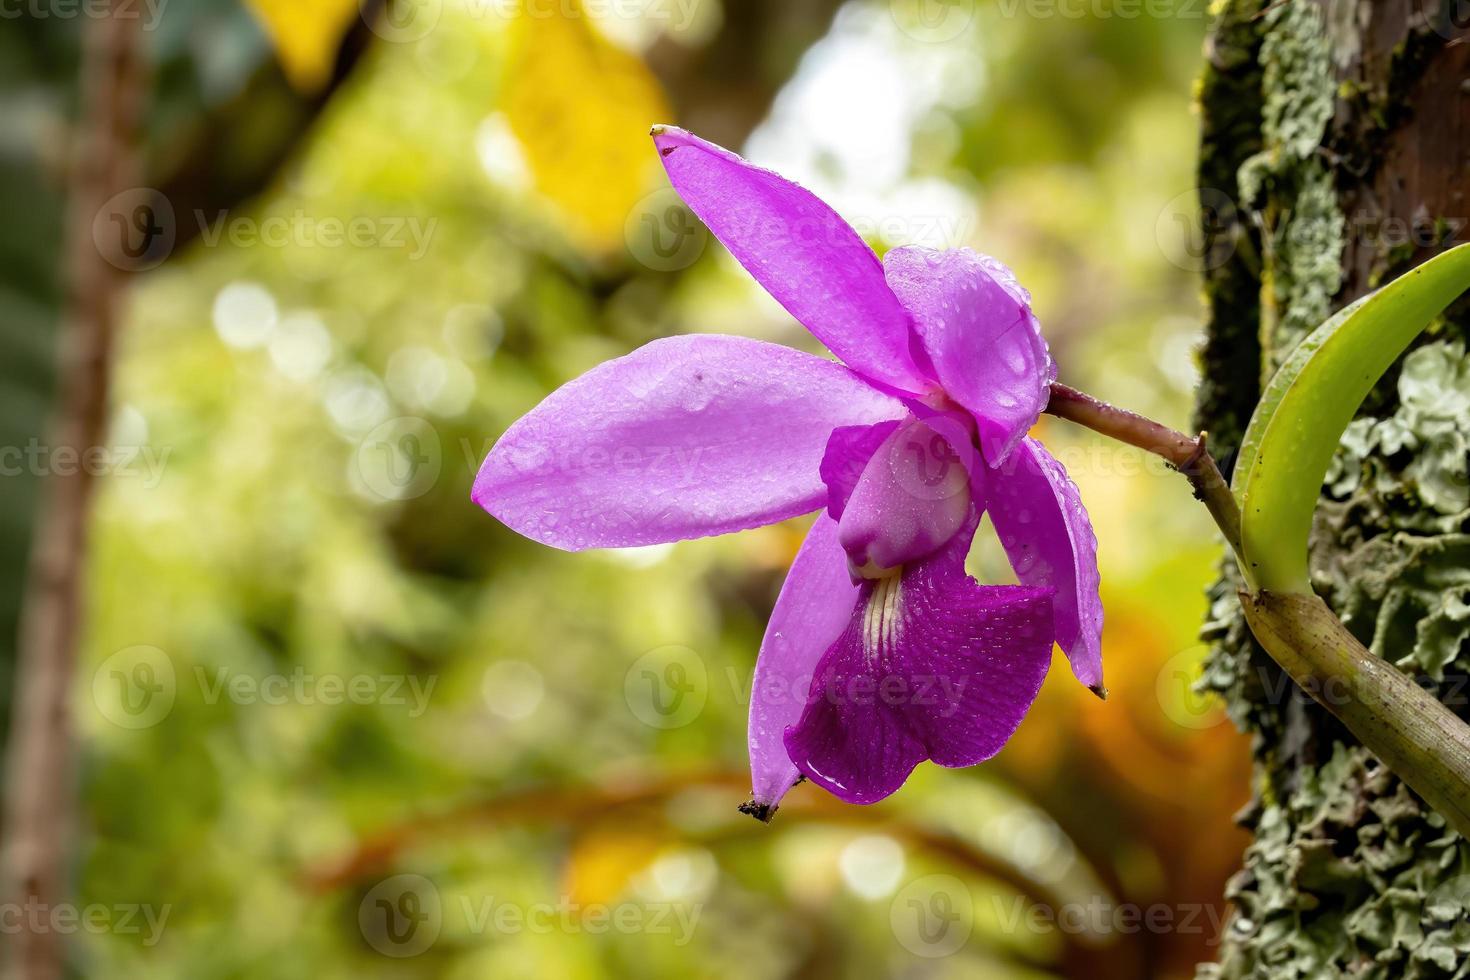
(1288, 182)
(1422, 447)
(1395, 551)
(1300, 83)
(1349, 876)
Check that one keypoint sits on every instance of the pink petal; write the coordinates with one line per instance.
(801, 251)
(937, 667)
(684, 437)
(848, 450)
(913, 495)
(975, 323)
(1046, 532)
(814, 606)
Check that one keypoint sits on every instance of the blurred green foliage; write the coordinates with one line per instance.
(313, 666)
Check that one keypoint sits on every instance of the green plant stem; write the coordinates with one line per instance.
(1410, 731)
(1407, 728)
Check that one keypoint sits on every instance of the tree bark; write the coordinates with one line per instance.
(1334, 157)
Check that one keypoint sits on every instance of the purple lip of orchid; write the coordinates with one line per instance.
(881, 652)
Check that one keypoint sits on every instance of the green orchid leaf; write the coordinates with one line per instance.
(1308, 404)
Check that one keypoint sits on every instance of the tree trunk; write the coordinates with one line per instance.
(1335, 156)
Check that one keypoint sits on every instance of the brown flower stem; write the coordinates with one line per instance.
(1189, 456)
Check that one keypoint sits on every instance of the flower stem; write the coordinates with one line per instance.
(1189, 456)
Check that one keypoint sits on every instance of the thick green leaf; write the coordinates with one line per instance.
(1296, 428)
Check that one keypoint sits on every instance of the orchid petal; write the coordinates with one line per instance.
(801, 251)
(932, 665)
(975, 323)
(913, 495)
(814, 606)
(684, 437)
(848, 450)
(1048, 536)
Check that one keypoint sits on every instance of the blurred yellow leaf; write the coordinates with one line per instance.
(581, 108)
(603, 860)
(306, 34)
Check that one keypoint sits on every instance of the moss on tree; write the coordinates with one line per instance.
(1350, 874)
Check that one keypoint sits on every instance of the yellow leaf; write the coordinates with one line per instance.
(306, 34)
(603, 860)
(581, 108)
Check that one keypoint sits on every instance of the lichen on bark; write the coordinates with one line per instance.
(1288, 183)
(1350, 875)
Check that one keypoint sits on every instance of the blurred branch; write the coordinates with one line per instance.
(38, 791)
(580, 805)
(376, 854)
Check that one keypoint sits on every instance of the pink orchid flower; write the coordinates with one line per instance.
(881, 651)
